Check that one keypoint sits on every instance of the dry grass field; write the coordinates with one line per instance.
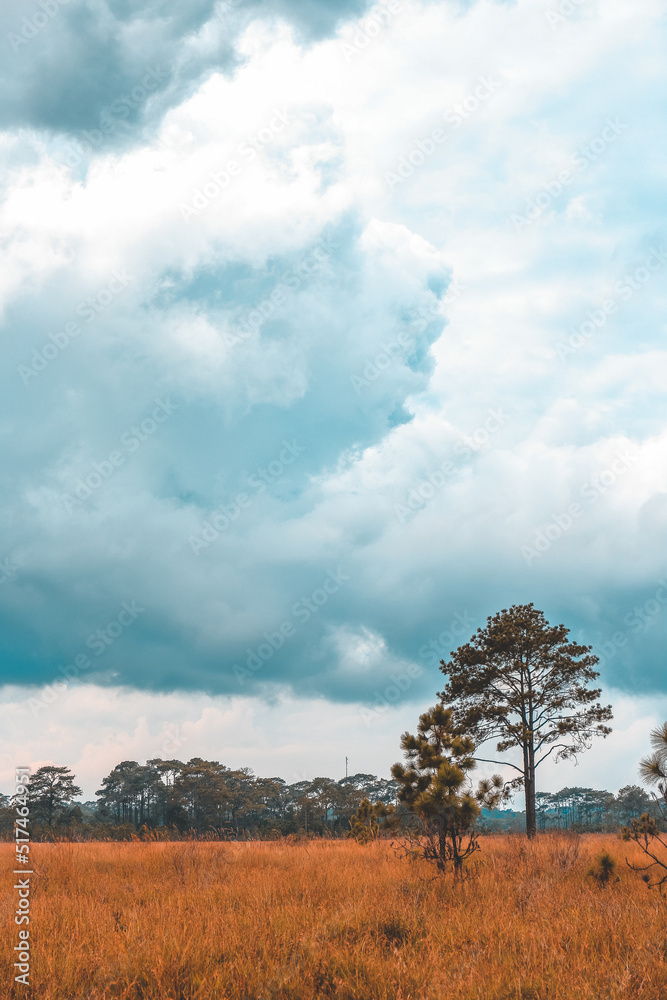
(247, 921)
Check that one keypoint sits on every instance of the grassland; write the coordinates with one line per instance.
(196, 921)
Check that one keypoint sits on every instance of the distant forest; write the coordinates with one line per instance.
(172, 800)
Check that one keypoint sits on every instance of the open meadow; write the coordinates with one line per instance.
(295, 921)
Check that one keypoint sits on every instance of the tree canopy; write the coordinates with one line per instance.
(521, 682)
(51, 790)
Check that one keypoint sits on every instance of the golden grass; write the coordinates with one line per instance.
(279, 921)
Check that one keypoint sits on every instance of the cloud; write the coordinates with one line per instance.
(94, 728)
(137, 60)
(362, 380)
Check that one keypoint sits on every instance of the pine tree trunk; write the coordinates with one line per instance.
(529, 788)
(531, 824)
(531, 821)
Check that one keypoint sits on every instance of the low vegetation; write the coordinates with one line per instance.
(322, 918)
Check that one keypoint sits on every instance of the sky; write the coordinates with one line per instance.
(330, 329)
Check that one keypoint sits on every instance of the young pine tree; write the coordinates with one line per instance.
(370, 819)
(436, 789)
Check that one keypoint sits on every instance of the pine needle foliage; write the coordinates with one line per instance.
(436, 789)
(522, 682)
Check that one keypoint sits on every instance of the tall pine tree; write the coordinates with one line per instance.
(521, 682)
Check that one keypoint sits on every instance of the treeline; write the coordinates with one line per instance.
(199, 797)
(589, 809)
(582, 810)
(172, 798)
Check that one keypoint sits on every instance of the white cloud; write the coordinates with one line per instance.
(525, 430)
(92, 729)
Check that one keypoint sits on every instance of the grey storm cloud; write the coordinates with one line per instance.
(195, 492)
(115, 67)
(245, 451)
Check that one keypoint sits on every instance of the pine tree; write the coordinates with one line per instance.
(653, 769)
(50, 791)
(645, 831)
(436, 789)
(520, 681)
(370, 819)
